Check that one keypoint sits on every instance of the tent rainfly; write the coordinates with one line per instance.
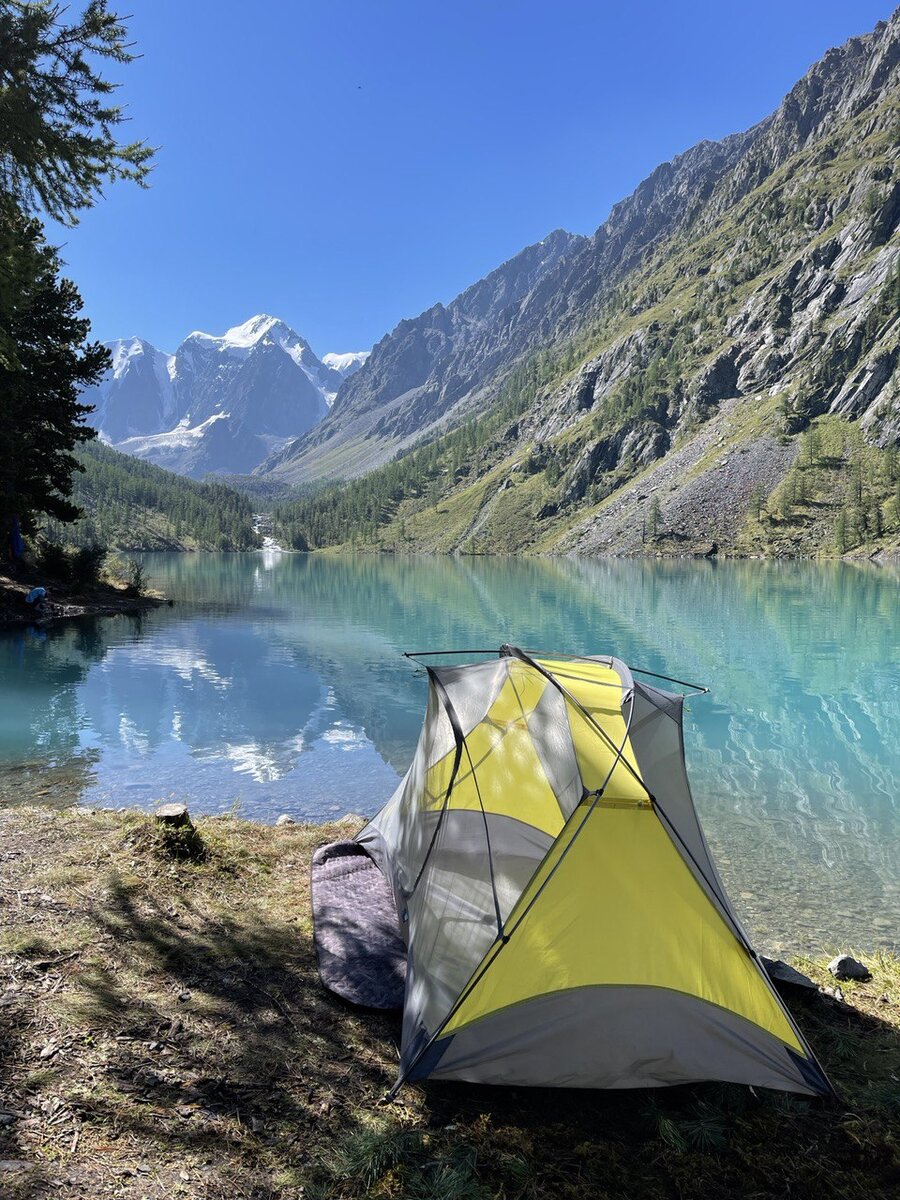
(552, 898)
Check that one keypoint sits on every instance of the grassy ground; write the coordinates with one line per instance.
(163, 1033)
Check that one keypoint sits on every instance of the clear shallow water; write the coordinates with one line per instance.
(276, 683)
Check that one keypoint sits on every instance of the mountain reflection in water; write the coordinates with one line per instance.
(277, 683)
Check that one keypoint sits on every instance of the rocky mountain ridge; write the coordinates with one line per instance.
(432, 369)
(742, 304)
(416, 375)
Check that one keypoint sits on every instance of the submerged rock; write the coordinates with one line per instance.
(845, 967)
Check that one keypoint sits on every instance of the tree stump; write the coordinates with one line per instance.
(174, 816)
(177, 834)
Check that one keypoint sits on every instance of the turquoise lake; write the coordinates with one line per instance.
(276, 684)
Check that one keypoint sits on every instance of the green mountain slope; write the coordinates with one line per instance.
(736, 386)
(133, 505)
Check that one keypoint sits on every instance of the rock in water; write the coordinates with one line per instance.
(845, 967)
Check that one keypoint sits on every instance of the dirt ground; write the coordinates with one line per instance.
(163, 1033)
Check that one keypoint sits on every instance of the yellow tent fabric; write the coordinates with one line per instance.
(620, 908)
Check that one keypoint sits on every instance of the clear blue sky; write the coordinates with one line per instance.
(346, 163)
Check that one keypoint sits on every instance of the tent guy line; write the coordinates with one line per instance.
(698, 687)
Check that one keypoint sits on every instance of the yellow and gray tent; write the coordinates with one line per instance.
(564, 923)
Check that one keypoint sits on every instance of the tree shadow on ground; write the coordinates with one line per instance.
(195, 1037)
(254, 1043)
(20, 1177)
(201, 1057)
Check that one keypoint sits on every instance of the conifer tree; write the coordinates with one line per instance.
(58, 143)
(758, 499)
(58, 146)
(653, 518)
(41, 418)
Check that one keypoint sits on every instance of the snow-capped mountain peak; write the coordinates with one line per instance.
(241, 339)
(346, 364)
(251, 331)
(220, 402)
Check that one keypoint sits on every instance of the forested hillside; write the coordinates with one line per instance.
(133, 505)
(730, 385)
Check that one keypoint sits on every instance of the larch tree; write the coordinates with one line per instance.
(58, 124)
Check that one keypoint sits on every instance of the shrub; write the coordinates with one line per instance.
(86, 564)
(51, 560)
(136, 577)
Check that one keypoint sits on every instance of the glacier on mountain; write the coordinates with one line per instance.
(219, 403)
(346, 364)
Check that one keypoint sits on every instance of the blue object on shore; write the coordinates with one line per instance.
(16, 545)
(35, 594)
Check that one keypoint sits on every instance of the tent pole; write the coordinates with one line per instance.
(698, 687)
(459, 739)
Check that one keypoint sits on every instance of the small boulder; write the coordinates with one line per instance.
(835, 993)
(782, 972)
(845, 967)
(285, 819)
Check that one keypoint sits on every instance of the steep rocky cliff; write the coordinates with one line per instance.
(417, 374)
(717, 365)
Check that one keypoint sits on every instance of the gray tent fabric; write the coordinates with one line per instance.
(608, 1037)
(360, 950)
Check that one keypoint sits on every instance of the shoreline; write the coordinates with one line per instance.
(166, 1035)
(782, 921)
(68, 604)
